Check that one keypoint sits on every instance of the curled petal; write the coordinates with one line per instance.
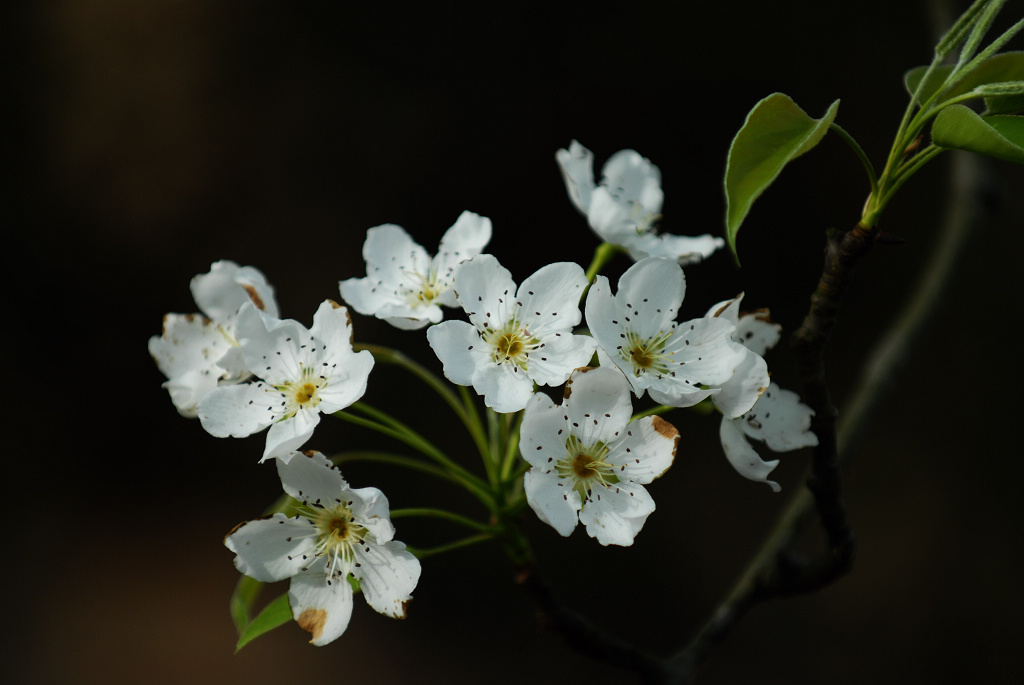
(742, 456)
(388, 574)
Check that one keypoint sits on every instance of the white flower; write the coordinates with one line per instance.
(626, 206)
(303, 371)
(589, 463)
(514, 338)
(679, 364)
(197, 352)
(338, 532)
(403, 285)
(778, 419)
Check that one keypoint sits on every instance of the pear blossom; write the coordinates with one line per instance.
(625, 208)
(404, 285)
(198, 352)
(778, 419)
(515, 337)
(588, 462)
(301, 372)
(339, 532)
(678, 364)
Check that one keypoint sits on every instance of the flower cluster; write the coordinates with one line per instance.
(240, 369)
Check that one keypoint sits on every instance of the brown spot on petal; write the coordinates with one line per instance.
(334, 304)
(255, 297)
(313, 621)
(664, 428)
(405, 607)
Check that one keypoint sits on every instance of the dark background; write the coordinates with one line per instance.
(149, 139)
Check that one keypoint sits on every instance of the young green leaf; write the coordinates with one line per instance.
(776, 132)
(1007, 66)
(959, 30)
(1002, 137)
(981, 26)
(247, 590)
(275, 614)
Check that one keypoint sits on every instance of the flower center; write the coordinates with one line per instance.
(644, 221)
(583, 465)
(647, 354)
(425, 289)
(337, 535)
(303, 393)
(511, 345)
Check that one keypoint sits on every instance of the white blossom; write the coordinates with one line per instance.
(626, 207)
(588, 462)
(778, 419)
(515, 337)
(338, 532)
(198, 352)
(404, 285)
(678, 364)
(302, 372)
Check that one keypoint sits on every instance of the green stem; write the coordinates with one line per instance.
(512, 448)
(417, 442)
(442, 514)
(868, 167)
(467, 415)
(458, 544)
(925, 156)
(602, 255)
(395, 459)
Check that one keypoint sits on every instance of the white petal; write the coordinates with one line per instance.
(646, 450)
(613, 221)
(388, 574)
(598, 404)
(650, 293)
(288, 435)
(322, 609)
(756, 331)
(549, 300)
(392, 256)
(616, 513)
(364, 295)
(271, 346)
(741, 455)
(681, 249)
(486, 291)
(632, 177)
(505, 388)
(465, 239)
(310, 477)
(460, 349)
(370, 510)
(577, 167)
(226, 287)
(739, 393)
(781, 420)
(273, 548)
(543, 433)
(561, 353)
(236, 410)
(554, 502)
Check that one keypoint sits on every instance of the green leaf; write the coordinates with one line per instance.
(776, 132)
(275, 614)
(958, 127)
(1007, 66)
(247, 591)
